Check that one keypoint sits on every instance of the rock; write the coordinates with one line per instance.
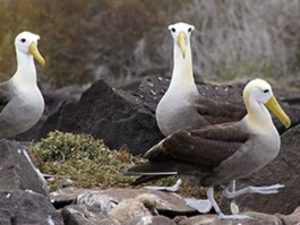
(81, 215)
(17, 172)
(123, 118)
(141, 206)
(27, 207)
(150, 220)
(113, 115)
(170, 204)
(54, 100)
(285, 169)
(256, 219)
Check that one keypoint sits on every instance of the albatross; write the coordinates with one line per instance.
(218, 154)
(182, 106)
(22, 103)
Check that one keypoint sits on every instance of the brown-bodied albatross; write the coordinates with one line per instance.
(219, 154)
(22, 103)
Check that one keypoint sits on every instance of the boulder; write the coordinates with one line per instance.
(128, 118)
(81, 215)
(285, 169)
(54, 100)
(17, 171)
(171, 204)
(27, 207)
(255, 219)
(150, 220)
(113, 115)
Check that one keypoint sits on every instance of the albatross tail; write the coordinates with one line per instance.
(150, 171)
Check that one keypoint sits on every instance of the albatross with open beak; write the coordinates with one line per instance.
(22, 103)
(219, 154)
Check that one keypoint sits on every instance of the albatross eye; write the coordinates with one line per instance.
(173, 30)
(190, 30)
(266, 91)
(23, 40)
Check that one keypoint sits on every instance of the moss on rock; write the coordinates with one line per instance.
(89, 163)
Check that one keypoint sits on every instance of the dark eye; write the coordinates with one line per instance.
(173, 30)
(190, 29)
(266, 91)
(23, 40)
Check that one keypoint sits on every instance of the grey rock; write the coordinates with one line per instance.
(285, 169)
(27, 207)
(150, 220)
(170, 204)
(81, 215)
(17, 171)
(255, 219)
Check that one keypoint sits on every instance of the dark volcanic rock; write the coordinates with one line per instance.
(114, 115)
(54, 100)
(16, 171)
(27, 208)
(285, 169)
(123, 118)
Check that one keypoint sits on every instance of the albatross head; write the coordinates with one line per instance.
(261, 91)
(26, 43)
(181, 33)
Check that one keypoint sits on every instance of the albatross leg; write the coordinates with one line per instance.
(234, 208)
(173, 188)
(211, 198)
(264, 190)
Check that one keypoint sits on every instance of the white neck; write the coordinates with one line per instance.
(258, 117)
(182, 69)
(26, 72)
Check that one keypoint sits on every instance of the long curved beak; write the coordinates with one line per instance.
(181, 40)
(276, 109)
(33, 50)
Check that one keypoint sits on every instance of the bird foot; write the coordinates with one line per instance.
(273, 189)
(201, 205)
(173, 188)
(264, 190)
(233, 217)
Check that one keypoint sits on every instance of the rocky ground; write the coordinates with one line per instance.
(126, 118)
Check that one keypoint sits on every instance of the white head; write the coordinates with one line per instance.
(261, 91)
(26, 43)
(181, 33)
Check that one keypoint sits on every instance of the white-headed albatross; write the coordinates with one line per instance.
(22, 103)
(182, 106)
(219, 154)
(175, 110)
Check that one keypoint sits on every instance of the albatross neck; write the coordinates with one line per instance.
(26, 72)
(258, 116)
(182, 75)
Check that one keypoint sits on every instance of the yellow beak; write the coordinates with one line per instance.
(276, 109)
(33, 50)
(181, 40)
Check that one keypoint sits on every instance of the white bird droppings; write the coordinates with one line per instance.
(50, 221)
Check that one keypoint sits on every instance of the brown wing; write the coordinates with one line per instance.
(216, 112)
(5, 94)
(203, 148)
